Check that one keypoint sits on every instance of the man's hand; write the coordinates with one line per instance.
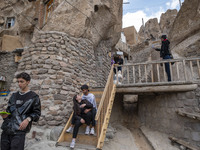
(4, 115)
(24, 124)
(86, 111)
(83, 105)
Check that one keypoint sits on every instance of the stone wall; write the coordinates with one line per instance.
(8, 67)
(59, 65)
(159, 113)
(103, 63)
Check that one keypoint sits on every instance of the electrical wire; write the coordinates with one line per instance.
(85, 16)
(11, 4)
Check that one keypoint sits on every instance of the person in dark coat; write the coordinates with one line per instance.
(23, 108)
(165, 54)
(82, 114)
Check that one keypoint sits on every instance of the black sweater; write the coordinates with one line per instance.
(164, 50)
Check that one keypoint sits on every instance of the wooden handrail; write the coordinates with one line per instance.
(154, 71)
(159, 62)
(104, 109)
(110, 78)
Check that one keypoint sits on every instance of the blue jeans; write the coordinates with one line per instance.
(167, 68)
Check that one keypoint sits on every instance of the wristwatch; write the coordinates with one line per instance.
(29, 119)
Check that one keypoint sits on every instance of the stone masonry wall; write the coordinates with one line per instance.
(58, 65)
(159, 113)
(103, 63)
(8, 67)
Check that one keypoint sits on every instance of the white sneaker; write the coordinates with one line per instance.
(92, 131)
(87, 131)
(69, 129)
(72, 145)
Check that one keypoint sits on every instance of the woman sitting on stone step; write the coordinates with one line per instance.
(82, 114)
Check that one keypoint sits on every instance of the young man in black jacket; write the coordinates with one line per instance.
(165, 54)
(24, 107)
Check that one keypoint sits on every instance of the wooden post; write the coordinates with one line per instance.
(152, 79)
(117, 75)
(140, 78)
(133, 74)
(170, 67)
(184, 68)
(128, 74)
(198, 67)
(192, 73)
(158, 73)
(122, 74)
(165, 78)
(177, 70)
(145, 72)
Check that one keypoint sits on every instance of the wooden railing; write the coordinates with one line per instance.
(104, 110)
(181, 70)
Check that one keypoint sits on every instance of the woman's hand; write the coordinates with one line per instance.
(86, 111)
(82, 105)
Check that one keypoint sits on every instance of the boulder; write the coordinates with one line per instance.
(55, 133)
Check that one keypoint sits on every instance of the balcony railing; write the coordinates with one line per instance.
(153, 72)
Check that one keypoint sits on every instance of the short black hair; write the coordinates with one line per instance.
(164, 36)
(24, 76)
(84, 87)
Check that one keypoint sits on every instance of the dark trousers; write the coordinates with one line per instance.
(12, 142)
(94, 111)
(167, 68)
(118, 68)
(76, 121)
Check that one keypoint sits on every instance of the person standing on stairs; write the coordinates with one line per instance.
(80, 115)
(165, 54)
(91, 98)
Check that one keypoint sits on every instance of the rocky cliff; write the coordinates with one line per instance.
(94, 20)
(185, 32)
(167, 20)
(153, 30)
(23, 16)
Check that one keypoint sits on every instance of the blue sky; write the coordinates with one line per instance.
(146, 9)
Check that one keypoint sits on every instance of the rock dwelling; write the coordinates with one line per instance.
(64, 44)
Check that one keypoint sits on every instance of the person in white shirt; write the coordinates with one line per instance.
(91, 98)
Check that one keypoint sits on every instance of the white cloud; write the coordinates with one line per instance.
(125, 1)
(173, 4)
(135, 18)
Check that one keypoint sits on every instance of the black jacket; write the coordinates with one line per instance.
(30, 108)
(88, 106)
(120, 61)
(164, 48)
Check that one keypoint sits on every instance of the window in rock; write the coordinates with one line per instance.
(96, 8)
(49, 9)
(10, 22)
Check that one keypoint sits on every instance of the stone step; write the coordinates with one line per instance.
(77, 146)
